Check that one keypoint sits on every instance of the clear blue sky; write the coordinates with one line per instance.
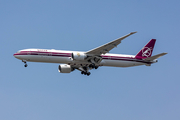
(39, 92)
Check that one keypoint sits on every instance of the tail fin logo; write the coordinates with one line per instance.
(146, 52)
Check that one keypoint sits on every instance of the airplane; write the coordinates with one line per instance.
(92, 59)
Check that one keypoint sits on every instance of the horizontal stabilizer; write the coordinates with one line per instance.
(155, 57)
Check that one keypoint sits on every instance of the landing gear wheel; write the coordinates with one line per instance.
(85, 73)
(25, 65)
(92, 65)
(88, 73)
(96, 67)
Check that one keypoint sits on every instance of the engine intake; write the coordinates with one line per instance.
(64, 68)
(79, 56)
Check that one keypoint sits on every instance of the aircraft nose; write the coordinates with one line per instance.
(15, 55)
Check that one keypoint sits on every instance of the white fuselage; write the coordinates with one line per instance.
(61, 56)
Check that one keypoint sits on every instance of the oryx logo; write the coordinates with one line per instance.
(146, 52)
(78, 54)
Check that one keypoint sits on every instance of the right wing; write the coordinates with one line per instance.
(107, 47)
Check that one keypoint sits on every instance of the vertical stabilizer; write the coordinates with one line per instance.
(147, 50)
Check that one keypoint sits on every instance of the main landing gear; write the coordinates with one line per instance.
(25, 63)
(85, 73)
(93, 66)
(85, 70)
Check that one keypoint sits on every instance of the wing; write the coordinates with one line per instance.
(107, 47)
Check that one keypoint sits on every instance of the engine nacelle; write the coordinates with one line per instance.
(64, 68)
(79, 56)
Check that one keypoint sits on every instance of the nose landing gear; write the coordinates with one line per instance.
(25, 63)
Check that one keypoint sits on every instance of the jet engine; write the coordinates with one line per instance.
(79, 56)
(64, 68)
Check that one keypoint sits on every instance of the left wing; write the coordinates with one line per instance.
(107, 47)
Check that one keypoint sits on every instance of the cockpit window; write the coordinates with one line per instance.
(18, 51)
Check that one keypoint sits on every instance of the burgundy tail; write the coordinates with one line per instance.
(147, 50)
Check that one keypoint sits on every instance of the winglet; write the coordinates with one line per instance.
(133, 32)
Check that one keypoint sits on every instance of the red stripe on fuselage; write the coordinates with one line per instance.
(59, 54)
(44, 53)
